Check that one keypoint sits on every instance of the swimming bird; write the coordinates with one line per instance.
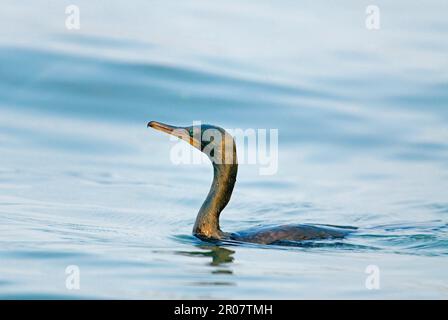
(220, 148)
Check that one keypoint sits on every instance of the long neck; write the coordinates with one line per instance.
(207, 220)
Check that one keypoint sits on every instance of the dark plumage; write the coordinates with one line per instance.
(221, 150)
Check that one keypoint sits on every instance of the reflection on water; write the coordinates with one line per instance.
(219, 255)
(363, 141)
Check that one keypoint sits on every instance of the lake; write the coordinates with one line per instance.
(362, 121)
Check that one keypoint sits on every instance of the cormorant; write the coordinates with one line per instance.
(220, 147)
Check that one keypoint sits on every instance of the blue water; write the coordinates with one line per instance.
(363, 141)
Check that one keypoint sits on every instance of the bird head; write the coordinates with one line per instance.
(212, 140)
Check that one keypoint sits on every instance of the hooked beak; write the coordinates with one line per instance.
(162, 127)
(179, 132)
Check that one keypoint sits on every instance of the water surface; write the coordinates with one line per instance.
(363, 141)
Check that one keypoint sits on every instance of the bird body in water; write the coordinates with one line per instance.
(220, 147)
